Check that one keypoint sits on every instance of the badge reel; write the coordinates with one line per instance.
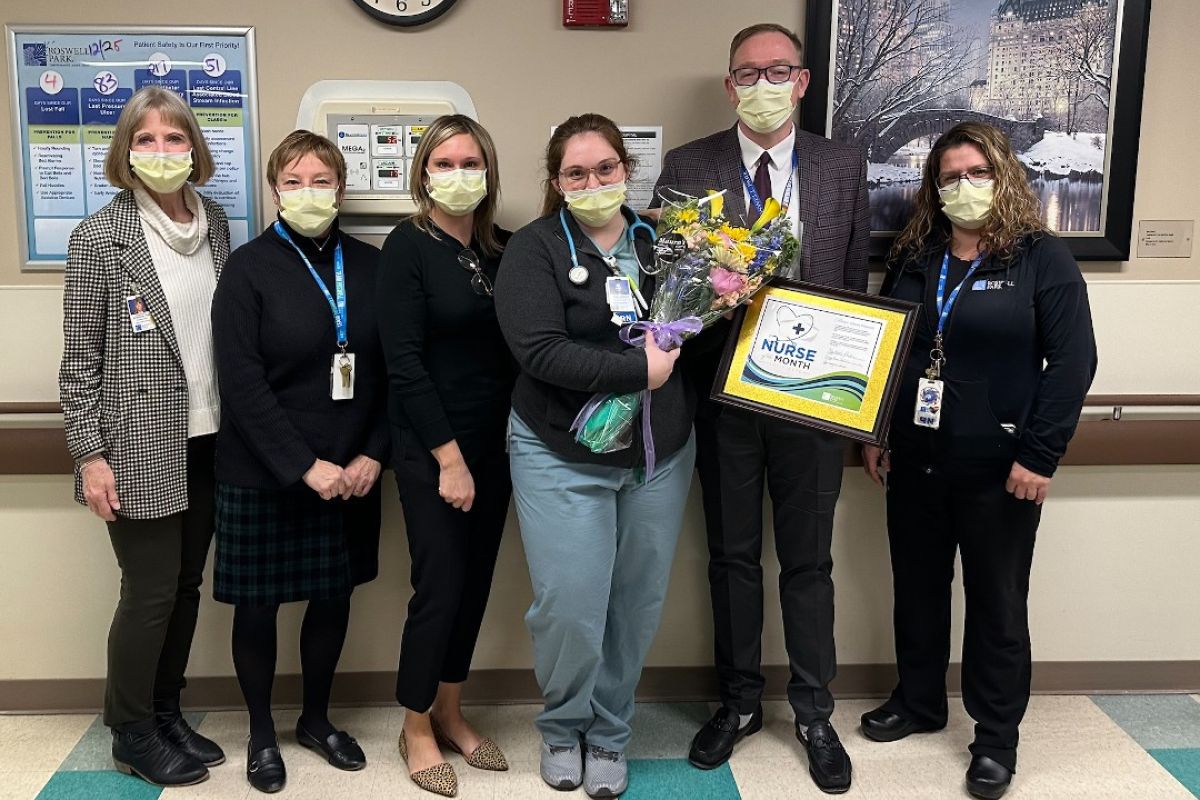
(341, 376)
(931, 391)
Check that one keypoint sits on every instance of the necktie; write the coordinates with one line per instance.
(762, 177)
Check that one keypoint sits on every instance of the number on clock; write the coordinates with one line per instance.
(408, 13)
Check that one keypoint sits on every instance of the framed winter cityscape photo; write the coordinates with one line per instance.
(1062, 78)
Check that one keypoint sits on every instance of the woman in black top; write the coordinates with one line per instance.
(450, 377)
(998, 374)
(302, 438)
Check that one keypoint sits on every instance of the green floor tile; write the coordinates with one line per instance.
(676, 779)
(1183, 763)
(92, 785)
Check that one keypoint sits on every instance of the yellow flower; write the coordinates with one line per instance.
(717, 204)
(688, 215)
(735, 233)
(770, 211)
(729, 259)
(748, 251)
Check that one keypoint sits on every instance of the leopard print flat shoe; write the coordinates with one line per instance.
(438, 779)
(487, 755)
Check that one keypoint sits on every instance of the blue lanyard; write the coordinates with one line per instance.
(339, 282)
(755, 200)
(944, 304)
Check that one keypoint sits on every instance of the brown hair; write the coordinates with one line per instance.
(557, 146)
(441, 130)
(174, 111)
(766, 27)
(1016, 211)
(297, 145)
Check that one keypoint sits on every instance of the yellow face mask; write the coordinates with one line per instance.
(161, 172)
(595, 207)
(309, 210)
(459, 191)
(765, 106)
(968, 205)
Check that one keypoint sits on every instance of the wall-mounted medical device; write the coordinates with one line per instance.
(377, 125)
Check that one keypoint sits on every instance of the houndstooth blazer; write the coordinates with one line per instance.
(123, 393)
(832, 181)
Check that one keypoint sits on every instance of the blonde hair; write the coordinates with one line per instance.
(174, 111)
(297, 145)
(1016, 211)
(440, 131)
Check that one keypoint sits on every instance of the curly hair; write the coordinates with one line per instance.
(1016, 211)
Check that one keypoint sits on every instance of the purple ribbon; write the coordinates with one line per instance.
(668, 336)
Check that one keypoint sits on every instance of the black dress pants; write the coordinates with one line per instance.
(803, 472)
(933, 510)
(162, 565)
(453, 557)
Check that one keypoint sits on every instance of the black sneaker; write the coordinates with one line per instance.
(828, 762)
(141, 749)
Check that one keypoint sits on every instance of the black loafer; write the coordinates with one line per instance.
(339, 748)
(828, 762)
(882, 725)
(987, 779)
(713, 744)
(265, 769)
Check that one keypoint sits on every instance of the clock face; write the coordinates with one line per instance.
(405, 12)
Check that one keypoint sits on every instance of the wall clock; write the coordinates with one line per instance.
(408, 13)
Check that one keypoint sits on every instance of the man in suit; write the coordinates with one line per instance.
(823, 186)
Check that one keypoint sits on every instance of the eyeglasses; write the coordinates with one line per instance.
(604, 171)
(976, 176)
(481, 284)
(776, 73)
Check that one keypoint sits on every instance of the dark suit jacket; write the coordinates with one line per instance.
(832, 184)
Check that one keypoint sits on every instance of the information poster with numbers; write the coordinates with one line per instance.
(69, 85)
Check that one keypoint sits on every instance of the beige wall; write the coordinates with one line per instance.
(1114, 576)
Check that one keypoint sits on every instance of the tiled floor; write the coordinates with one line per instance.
(1129, 747)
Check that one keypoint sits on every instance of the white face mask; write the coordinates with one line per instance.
(309, 210)
(159, 171)
(765, 106)
(459, 191)
(595, 207)
(968, 205)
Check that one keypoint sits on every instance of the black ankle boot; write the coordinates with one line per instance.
(176, 731)
(140, 749)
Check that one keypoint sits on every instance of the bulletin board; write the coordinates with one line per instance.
(69, 84)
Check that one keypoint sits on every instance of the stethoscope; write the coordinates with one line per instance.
(578, 274)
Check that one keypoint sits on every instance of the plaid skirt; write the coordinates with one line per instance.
(279, 546)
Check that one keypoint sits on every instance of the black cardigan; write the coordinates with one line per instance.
(274, 339)
(568, 349)
(1020, 351)
(450, 374)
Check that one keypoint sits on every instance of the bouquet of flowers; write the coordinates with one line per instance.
(705, 266)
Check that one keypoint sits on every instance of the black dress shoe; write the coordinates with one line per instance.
(339, 748)
(828, 762)
(176, 731)
(141, 749)
(987, 779)
(265, 769)
(882, 725)
(713, 744)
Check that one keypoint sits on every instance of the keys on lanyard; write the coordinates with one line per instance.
(931, 389)
(341, 369)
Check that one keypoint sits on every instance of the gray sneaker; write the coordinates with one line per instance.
(562, 767)
(605, 772)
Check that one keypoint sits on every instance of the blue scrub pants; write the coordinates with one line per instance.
(599, 542)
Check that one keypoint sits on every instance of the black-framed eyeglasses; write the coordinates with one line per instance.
(604, 171)
(976, 176)
(776, 73)
(481, 284)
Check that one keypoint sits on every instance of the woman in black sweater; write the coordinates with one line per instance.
(302, 438)
(998, 373)
(450, 377)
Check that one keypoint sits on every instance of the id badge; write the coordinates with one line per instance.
(341, 376)
(619, 292)
(139, 314)
(929, 403)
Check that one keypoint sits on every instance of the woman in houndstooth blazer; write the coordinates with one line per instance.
(138, 391)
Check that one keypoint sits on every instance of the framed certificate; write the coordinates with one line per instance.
(827, 358)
